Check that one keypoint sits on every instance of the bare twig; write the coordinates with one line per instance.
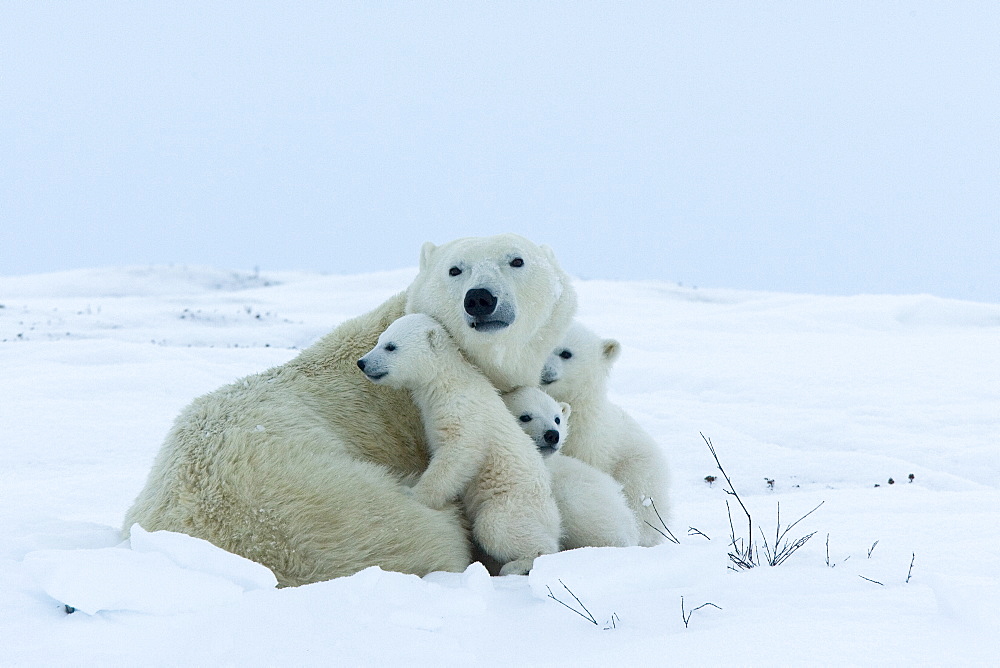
(589, 617)
(687, 616)
(695, 532)
(909, 573)
(828, 554)
(870, 580)
(872, 549)
(782, 551)
(779, 555)
(671, 537)
(742, 554)
(731, 490)
(789, 527)
(613, 622)
(745, 555)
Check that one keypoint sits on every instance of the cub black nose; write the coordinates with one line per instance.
(480, 302)
(551, 437)
(361, 364)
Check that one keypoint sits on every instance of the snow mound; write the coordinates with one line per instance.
(150, 281)
(200, 555)
(158, 573)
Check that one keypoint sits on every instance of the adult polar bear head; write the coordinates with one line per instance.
(504, 300)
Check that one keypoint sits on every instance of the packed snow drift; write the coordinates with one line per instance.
(883, 411)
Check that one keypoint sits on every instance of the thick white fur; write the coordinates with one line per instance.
(603, 434)
(477, 449)
(538, 294)
(302, 467)
(591, 503)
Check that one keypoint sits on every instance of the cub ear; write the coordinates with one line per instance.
(436, 337)
(565, 409)
(425, 254)
(611, 349)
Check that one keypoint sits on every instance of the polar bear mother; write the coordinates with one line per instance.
(302, 467)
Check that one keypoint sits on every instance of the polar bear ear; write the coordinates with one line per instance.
(436, 337)
(611, 349)
(565, 409)
(425, 254)
(549, 254)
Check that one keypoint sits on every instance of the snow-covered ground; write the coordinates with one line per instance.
(828, 397)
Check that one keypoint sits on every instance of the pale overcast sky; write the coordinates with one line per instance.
(836, 147)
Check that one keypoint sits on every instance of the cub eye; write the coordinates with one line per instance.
(517, 262)
(557, 421)
(525, 418)
(565, 354)
(454, 271)
(390, 347)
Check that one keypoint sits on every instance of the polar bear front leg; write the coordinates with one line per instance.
(642, 475)
(451, 470)
(517, 531)
(518, 566)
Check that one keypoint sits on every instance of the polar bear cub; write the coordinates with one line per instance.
(478, 452)
(593, 509)
(603, 434)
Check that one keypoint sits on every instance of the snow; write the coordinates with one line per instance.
(828, 397)
(159, 572)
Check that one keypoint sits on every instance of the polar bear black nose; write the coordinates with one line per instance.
(361, 364)
(480, 302)
(551, 437)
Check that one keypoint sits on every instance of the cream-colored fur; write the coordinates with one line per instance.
(536, 298)
(591, 503)
(603, 434)
(477, 451)
(302, 467)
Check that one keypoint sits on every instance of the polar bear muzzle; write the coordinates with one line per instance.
(486, 313)
(373, 371)
(550, 443)
(480, 302)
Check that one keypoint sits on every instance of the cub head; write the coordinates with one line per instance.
(504, 300)
(580, 366)
(541, 417)
(407, 352)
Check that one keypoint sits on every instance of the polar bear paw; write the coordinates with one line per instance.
(518, 566)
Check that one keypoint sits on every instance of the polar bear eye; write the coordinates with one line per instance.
(390, 347)
(557, 421)
(565, 354)
(517, 262)
(454, 271)
(525, 418)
